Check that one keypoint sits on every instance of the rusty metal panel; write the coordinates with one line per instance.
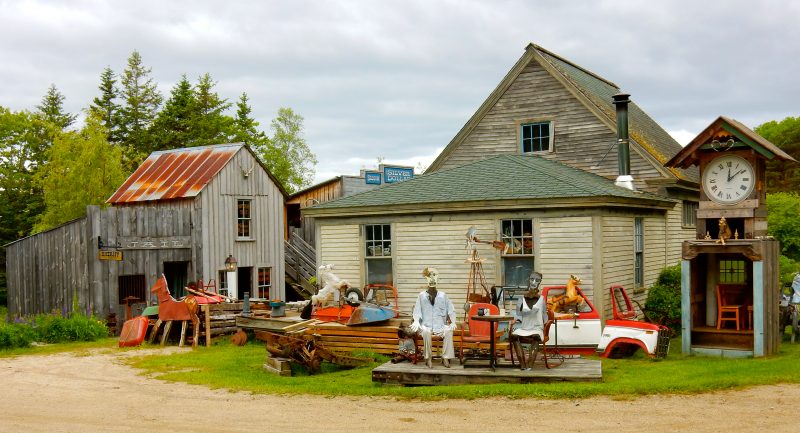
(174, 174)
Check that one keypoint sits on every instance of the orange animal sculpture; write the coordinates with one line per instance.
(169, 310)
(570, 296)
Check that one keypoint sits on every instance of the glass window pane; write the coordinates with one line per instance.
(516, 270)
(379, 271)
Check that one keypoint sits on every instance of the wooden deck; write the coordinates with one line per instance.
(406, 373)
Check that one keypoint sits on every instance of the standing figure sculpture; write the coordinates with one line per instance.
(431, 314)
(531, 317)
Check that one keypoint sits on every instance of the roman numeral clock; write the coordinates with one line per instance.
(728, 179)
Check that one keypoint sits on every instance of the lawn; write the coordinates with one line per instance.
(240, 369)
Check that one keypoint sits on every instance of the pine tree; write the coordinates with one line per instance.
(104, 107)
(211, 125)
(51, 109)
(140, 102)
(173, 127)
(245, 127)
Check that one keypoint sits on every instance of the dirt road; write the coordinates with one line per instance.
(98, 393)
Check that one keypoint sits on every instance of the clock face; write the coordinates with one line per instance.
(728, 179)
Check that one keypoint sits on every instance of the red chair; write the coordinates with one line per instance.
(727, 309)
(479, 332)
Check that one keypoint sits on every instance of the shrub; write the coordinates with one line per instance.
(14, 335)
(664, 298)
(787, 269)
(53, 328)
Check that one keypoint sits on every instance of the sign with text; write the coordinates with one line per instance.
(130, 243)
(372, 177)
(397, 174)
(109, 255)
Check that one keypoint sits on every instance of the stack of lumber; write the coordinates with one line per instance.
(218, 319)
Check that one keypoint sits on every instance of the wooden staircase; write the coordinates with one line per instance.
(301, 265)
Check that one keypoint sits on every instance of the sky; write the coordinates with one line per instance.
(396, 80)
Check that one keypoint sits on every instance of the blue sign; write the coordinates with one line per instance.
(372, 178)
(397, 174)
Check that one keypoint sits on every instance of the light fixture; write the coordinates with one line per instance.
(230, 263)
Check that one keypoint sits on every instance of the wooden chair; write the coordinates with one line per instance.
(479, 332)
(537, 345)
(727, 311)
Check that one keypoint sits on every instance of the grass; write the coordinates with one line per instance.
(240, 369)
(81, 347)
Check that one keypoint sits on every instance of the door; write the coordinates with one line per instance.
(177, 274)
(244, 281)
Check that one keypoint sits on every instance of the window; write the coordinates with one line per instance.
(264, 282)
(732, 272)
(223, 283)
(378, 253)
(131, 285)
(517, 256)
(243, 218)
(638, 251)
(689, 213)
(535, 137)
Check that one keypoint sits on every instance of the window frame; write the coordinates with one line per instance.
(638, 252)
(521, 125)
(223, 282)
(248, 219)
(261, 289)
(511, 239)
(689, 213)
(371, 245)
(730, 274)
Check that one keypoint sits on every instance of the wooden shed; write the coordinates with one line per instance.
(181, 213)
(535, 166)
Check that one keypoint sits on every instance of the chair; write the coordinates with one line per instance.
(726, 310)
(479, 332)
(534, 341)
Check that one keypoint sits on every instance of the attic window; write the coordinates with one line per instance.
(536, 137)
(243, 219)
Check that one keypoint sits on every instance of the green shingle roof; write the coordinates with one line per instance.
(502, 177)
(642, 128)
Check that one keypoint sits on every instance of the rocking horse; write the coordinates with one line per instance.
(570, 296)
(169, 310)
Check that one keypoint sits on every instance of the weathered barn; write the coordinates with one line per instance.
(181, 213)
(534, 167)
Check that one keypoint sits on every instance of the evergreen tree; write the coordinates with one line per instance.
(783, 176)
(173, 127)
(140, 102)
(211, 125)
(104, 107)
(51, 109)
(245, 127)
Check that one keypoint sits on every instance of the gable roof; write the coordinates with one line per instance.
(648, 138)
(724, 125)
(521, 179)
(178, 173)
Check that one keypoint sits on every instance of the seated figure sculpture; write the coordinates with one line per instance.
(531, 317)
(432, 311)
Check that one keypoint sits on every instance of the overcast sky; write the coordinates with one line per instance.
(398, 79)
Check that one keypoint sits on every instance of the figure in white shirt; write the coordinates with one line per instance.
(431, 313)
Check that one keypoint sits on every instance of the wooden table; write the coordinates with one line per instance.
(493, 321)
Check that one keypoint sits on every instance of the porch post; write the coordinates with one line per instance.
(758, 308)
(686, 306)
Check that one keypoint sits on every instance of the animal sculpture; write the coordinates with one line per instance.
(170, 310)
(570, 296)
(333, 287)
(724, 231)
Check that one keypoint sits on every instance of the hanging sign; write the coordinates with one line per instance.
(109, 255)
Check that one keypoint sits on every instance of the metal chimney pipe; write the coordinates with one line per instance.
(624, 179)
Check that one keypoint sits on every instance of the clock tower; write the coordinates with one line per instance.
(729, 283)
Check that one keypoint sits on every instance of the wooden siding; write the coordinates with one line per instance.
(438, 244)
(341, 247)
(617, 255)
(217, 203)
(564, 249)
(677, 234)
(580, 138)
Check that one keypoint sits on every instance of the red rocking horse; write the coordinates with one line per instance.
(169, 310)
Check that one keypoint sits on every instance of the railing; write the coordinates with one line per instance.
(301, 264)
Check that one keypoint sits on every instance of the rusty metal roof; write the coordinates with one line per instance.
(174, 174)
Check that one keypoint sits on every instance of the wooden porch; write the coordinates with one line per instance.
(406, 373)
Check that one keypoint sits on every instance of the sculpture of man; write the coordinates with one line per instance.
(431, 313)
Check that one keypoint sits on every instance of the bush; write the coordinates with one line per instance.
(53, 328)
(664, 299)
(787, 269)
(14, 335)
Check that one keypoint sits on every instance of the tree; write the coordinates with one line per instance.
(783, 176)
(286, 154)
(83, 169)
(104, 107)
(211, 126)
(245, 127)
(173, 127)
(140, 102)
(51, 109)
(783, 220)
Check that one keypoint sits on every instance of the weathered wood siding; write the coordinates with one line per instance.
(565, 248)
(40, 276)
(340, 245)
(217, 203)
(677, 233)
(580, 138)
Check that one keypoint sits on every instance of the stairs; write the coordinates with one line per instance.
(301, 265)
